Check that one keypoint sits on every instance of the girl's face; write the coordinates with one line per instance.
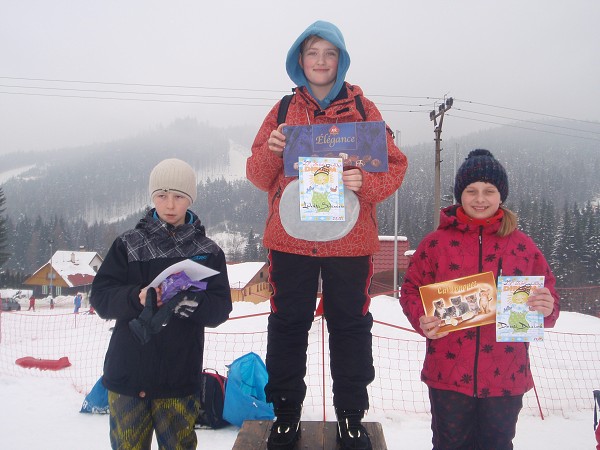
(480, 200)
(171, 207)
(319, 61)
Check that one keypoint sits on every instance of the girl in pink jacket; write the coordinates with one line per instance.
(476, 384)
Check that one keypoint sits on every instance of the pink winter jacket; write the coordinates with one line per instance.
(470, 361)
(265, 170)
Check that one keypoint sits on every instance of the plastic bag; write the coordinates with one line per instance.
(245, 397)
(96, 402)
(179, 282)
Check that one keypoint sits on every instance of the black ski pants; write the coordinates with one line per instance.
(462, 422)
(346, 281)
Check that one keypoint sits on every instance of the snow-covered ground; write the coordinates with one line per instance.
(38, 412)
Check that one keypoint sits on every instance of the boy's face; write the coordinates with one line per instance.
(319, 61)
(171, 207)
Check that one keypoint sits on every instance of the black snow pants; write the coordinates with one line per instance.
(462, 422)
(346, 281)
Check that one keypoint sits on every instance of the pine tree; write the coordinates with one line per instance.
(251, 252)
(568, 249)
(559, 253)
(4, 255)
(547, 227)
(591, 246)
(525, 212)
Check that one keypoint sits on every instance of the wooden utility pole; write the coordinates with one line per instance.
(437, 129)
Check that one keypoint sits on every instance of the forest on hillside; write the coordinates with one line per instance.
(85, 197)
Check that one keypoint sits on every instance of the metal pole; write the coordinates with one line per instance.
(454, 169)
(436, 190)
(322, 320)
(396, 229)
(51, 274)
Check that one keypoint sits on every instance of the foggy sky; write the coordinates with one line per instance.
(226, 61)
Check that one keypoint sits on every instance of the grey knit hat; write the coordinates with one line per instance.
(481, 165)
(173, 175)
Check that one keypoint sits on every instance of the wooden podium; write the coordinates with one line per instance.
(315, 435)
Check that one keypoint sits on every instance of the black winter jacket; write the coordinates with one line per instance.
(169, 365)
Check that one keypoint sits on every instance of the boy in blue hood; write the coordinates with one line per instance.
(317, 63)
(323, 79)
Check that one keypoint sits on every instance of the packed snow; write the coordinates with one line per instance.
(39, 412)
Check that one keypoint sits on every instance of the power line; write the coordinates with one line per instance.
(134, 99)
(525, 128)
(524, 111)
(529, 121)
(404, 96)
(142, 84)
(91, 97)
(420, 105)
(405, 111)
(250, 98)
(132, 92)
(175, 86)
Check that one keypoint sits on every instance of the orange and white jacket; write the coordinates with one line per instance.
(265, 170)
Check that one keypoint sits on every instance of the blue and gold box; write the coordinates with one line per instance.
(359, 144)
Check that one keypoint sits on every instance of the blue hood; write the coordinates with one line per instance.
(331, 33)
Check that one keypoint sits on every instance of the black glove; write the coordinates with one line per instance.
(140, 327)
(162, 316)
(186, 303)
(182, 305)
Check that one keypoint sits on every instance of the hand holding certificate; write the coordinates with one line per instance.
(194, 271)
(461, 303)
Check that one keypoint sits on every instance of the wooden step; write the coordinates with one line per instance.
(315, 435)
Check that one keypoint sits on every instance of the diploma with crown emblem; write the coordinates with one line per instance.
(514, 321)
(358, 144)
(321, 189)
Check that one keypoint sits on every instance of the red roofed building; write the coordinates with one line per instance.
(383, 261)
(67, 273)
(249, 282)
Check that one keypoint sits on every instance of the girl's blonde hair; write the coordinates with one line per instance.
(509, 222)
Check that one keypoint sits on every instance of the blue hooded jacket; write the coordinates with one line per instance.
(331, 33)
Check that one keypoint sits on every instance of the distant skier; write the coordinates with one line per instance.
(77, 302)
(31, 303)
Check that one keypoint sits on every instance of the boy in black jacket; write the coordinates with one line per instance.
(154, 358)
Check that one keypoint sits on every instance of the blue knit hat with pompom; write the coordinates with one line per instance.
(481, 165)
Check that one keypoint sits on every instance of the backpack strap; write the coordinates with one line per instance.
(360, 108)
(285, 104)
(283, 108)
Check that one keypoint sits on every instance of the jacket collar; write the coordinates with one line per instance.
(463, 217)
(450, 220)
(346, 95)
(153, 224)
